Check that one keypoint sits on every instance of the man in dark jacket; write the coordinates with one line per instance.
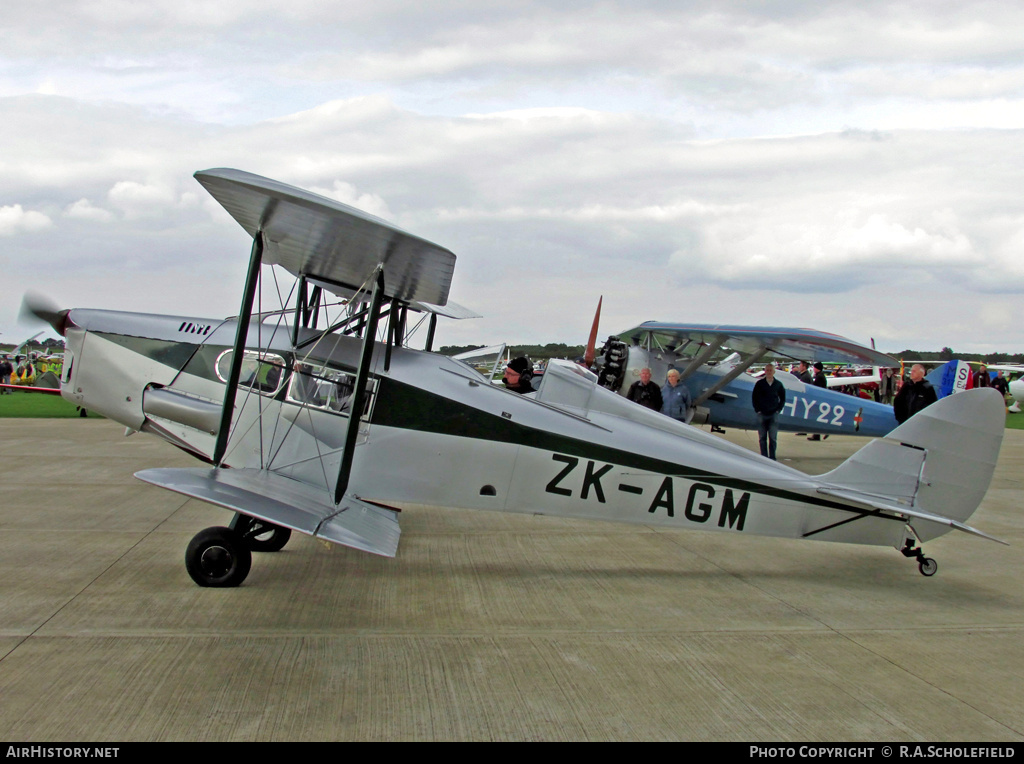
(820, 380)
(769, 397)
(916, 394)
(1000, 384)
(6, 369)
(645, 392)
(981, 378)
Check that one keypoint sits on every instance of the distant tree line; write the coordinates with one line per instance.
(49, 343)
(534, 352)
(948, 354)
(560, 350)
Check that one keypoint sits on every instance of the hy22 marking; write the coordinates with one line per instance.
(794, 409)
(700, 497)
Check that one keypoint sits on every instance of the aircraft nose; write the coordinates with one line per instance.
(42, 308)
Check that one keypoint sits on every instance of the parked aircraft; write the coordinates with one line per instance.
(956, 376)
(713, 361)
(36, 372)
(331, 430)
(1017, 391)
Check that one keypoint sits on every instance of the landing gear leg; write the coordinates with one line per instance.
(259, 535)
(926, 565)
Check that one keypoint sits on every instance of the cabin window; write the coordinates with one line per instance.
(261, 372)
(328, 389)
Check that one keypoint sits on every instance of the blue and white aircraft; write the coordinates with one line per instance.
(713, 360)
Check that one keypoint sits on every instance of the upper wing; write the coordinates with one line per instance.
(311, 235)
(799, 344)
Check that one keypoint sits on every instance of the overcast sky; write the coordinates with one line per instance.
(851, 167)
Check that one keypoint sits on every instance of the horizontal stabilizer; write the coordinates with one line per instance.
(909, 514)
(311, 235)
(288, 503)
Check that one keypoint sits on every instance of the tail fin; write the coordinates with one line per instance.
(935, 468)
(952, 377)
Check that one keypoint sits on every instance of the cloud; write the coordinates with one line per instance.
(83, 209)
(687, 157)
(14, 219)
(726, 63)
(134, 198)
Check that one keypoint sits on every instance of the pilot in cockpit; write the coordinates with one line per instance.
(518, 375)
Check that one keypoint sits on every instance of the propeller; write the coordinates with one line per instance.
(42, 308)
(588, 357)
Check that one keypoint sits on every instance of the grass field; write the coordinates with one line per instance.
(37, 405)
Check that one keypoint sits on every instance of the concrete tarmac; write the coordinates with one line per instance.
(487, 626)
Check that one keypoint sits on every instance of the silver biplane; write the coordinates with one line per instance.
(331, 429)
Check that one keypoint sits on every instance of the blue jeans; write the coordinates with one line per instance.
(768, 433)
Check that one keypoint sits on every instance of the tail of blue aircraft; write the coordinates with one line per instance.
(951, 376)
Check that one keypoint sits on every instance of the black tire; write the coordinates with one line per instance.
(268, 538)
(928, 566)
(218, 557)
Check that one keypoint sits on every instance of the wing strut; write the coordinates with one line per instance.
(307, 309)
(739, 369)
(701, 358)
(430, 332)
(359, 393)
(241, 333)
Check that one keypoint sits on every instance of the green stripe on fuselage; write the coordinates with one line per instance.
(169, 353)
(407, 407)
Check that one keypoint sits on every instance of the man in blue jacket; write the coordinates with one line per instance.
(769, 397)
(675, 398)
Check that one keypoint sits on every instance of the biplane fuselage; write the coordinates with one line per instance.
(436, 434)
(330, 431)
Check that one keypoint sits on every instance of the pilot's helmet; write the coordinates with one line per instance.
(520, 365)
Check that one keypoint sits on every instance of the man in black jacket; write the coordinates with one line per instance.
(645, 392)
(820, 380)
(917, 393)
(769, 397)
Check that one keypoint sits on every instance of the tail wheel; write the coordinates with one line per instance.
(218, 557)
(926, 565)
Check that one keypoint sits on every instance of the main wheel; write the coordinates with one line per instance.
(927, 566)
(218, 557)
(268, 538)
